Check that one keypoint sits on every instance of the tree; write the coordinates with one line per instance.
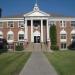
(53, 37)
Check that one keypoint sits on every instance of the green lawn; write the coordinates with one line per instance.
(12, 63)
(63, 61)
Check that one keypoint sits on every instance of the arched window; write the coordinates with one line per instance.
(21, 35)
(10, 36)
(1, 34)
(63, 34)
(63, 39)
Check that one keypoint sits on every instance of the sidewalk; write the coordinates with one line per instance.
(38, 65)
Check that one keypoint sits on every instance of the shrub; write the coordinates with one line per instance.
(19, 47)
(53, 37)
(3, 45)
(72, 46)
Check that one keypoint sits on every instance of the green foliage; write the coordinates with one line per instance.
(53, 37)
(19, 47)
(3, 46)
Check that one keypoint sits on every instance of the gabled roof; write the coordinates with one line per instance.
(36, 12)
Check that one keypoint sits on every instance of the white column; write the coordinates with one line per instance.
(48, 39)
(41, 30)
(26, 31)
(32, 38)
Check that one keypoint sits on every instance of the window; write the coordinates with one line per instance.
(62, 23)
(63, 36)
(1, 24)
(21, 36)
(44, 22)
(21, 24)
(73, 36)
(51, 22)
(73, 24)
(1, 34)
(10, 36)
(28, 22)
(21, 43)
(10, 24)
(63, 45)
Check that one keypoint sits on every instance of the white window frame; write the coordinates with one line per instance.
(8, 25)
(12, 36)
(73, 25)
(63, 35)
(63, 48)
(20, 39)
(62, 24)
(2, 25)
(72, 37)
(1, 35)
(20, 25)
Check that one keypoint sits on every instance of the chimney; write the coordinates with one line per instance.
(0, 12)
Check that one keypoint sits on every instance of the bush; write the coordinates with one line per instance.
(3, 45)
(19, 47)
(54, 47)
(72, 46)
(53, 37)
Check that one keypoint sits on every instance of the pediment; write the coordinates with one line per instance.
(36, 13)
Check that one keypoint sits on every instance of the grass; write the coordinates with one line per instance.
(63, 61)
(12, 63)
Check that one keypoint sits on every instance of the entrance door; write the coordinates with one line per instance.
(36, 39)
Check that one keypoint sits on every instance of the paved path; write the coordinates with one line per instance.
(38, 65)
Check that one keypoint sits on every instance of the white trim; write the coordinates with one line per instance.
(48, 38)
(21, 32)
(26, 30)
(1, 33)
(41, 30)
(36, 33)
(8, 26)
(41, 12)
(10, 32)
(2, 25)
(19, 24)
(63, 31)
(32, 39)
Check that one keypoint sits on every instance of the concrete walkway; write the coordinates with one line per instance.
(38, 65)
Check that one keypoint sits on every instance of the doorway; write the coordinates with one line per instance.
(36, 39)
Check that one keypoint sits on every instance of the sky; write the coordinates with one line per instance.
(15, 7)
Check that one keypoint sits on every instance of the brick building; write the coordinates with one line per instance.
(33, 27)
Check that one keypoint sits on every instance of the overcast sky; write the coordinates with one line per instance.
(62, 7)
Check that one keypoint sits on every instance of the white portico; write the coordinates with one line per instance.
(38, 21)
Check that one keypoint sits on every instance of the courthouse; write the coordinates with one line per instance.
(34, 27)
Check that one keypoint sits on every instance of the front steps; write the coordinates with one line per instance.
(37, 47)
